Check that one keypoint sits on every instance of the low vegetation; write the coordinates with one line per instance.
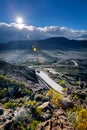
(34, 105)
(55, 98)
(9, 105)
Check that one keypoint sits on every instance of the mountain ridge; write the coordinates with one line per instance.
(50, 43)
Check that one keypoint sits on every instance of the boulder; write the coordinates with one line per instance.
(46, 106)
(47, 110)
(66, 103)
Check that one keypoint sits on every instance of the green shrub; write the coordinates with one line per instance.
(32, 103)
(2, 77)
(72, 117)
(62, 82)
(3, 92)
(55, 97)
(27, 91)
(21, 84)
(33, 125)
(13, 81)
(75, 97)
(82, 120)
(64, 90)
(38, 111)
(78, 117)
(10, 105)
(20, 104)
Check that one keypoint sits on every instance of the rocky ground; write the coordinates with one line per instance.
(27, 104)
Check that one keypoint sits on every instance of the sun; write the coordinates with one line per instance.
(19, 20)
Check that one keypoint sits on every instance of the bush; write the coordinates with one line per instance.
(32, 103)
(78, 117)
(56, 97)
(64, 90)
(72, 116)
(62, 82)
(13, 81)
(2, 77)
(27, 91)
(3, 92)
(33, 125)
(10, 105)
(38, 111)
(75, 97)
(82, 120)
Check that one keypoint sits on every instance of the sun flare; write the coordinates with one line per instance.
(19, 20)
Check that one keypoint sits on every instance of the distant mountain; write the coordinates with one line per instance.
(50, 43)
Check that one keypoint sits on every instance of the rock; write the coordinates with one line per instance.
(8, 117)
(60, 112)
(66, 103)
(46, 106)
(7, 125)
(45, 116)
(47, 110)
(45, 99)
(1, 111)
(38, 97)
(57, 122)
(4, 100)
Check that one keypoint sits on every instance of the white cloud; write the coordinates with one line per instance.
(12, 32)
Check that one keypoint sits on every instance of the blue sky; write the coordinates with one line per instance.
(40, 13)
(43, 19)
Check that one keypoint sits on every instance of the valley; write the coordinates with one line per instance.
(38, 87)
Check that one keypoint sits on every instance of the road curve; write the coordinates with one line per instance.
(49, 81)
(75, 63)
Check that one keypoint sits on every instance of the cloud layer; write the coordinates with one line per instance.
(9, 32)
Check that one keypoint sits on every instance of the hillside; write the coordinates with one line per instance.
(27, 103)
(50, 43)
